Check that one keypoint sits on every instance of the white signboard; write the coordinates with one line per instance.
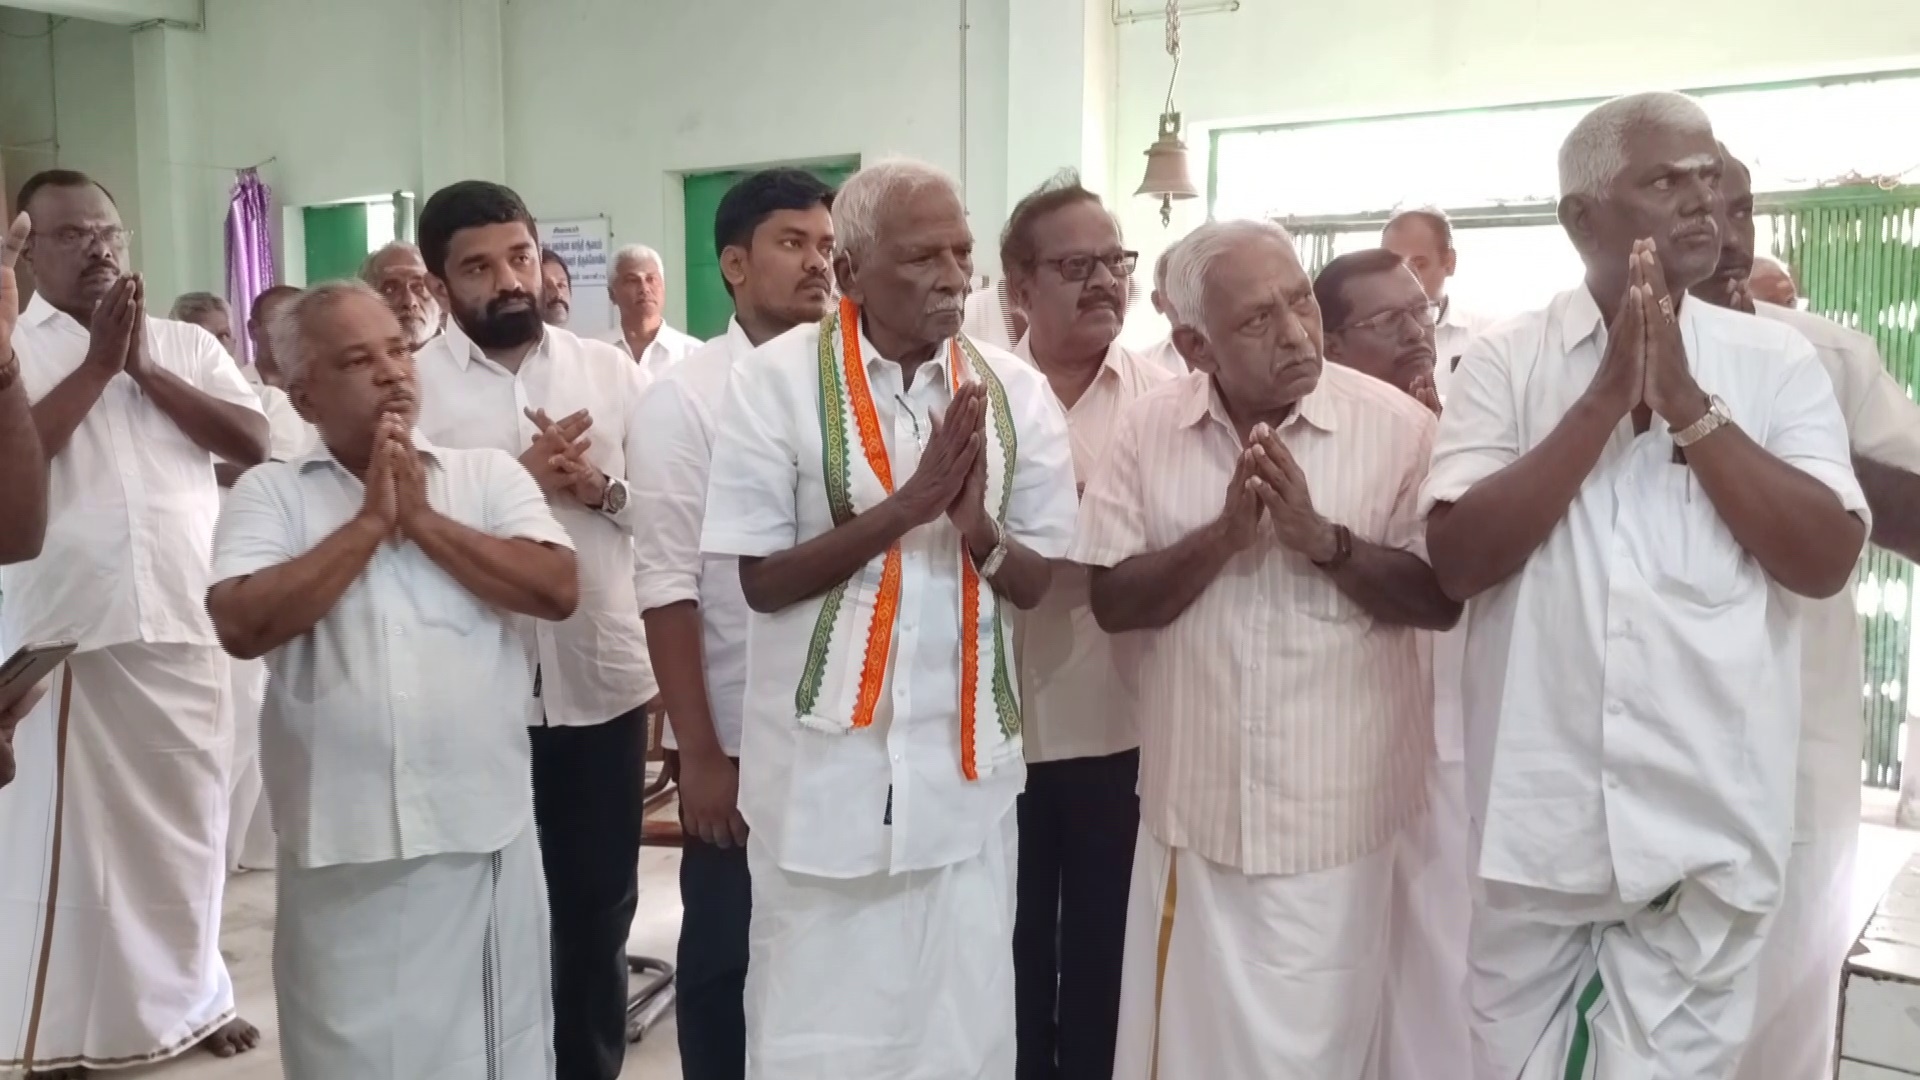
(584, 244)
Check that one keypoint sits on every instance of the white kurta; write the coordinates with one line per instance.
(1632, 709)
(1808, 942)
(113, 838)
(883, 891)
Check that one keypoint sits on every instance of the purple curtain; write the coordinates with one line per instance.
(249, 250)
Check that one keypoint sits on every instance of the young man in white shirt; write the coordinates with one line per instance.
(1424, 238)
(249, 823)
(1380, 323)
(1628, 485)
(499, 377)
(1800, 964)
(773, 232)
(380, 575)
(1285, 714)
(890, 489)
(638, 288)
(1066, 269)
(114, 833)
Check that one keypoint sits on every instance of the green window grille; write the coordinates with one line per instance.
(1858, 258)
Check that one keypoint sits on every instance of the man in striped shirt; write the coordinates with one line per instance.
(1290, 714)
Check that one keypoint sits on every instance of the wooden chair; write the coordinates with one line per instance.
(654, 996)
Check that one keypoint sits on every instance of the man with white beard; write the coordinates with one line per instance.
(399, 275)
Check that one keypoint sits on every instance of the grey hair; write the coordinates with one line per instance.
(860, 202)
(287, 335)
(1595, 151)
(194, 306)
(373, 259)
(637, 253)
(1191, 260)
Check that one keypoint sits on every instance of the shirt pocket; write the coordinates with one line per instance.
(1679, 539)
(438, 601)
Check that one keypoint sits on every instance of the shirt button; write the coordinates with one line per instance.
(1614, 708)
(896, 758)
(400, 697)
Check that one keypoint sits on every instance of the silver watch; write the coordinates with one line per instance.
(1716, 418)
(615, 499)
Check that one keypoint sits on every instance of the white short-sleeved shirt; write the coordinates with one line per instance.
(1882, 424)
(1284, 730)
(594, 666)
(1078, 696)
(681, 414)
(290, 435)
(891, 797)
(1632, 695)
(396, 727)
(132, 500)
(1452, 331)
(669, 347)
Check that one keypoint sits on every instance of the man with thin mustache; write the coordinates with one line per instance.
(637, 285)
(773, 234)
(113, 835)
(1794, 1024)
(380, 576)
(1067, 270)
(500, 377)
(891, 488)
(1632, 487)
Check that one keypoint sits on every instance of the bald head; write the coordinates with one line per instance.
(1772, 281)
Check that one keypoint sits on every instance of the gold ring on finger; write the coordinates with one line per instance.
(1666, 308)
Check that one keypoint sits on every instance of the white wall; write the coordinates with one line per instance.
(1285, 60)
(610, 102)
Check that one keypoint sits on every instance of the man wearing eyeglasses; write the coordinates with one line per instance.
(114, 835)
(1423, 236)
(1381, 323)
(1079, 815)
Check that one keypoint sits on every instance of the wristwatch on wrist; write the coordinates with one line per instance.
(1716, 418)
(996, 558)
(1342, 549)
(614, 499)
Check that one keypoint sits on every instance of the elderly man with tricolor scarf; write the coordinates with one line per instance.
(892, 490)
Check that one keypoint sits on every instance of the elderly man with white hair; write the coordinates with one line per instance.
(380, 576)
(399, 275)
(1629, 485)
(890, 488)
(638, 288)
(1254, 522)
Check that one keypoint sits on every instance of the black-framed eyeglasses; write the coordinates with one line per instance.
(1080, 267)
(1423, 317)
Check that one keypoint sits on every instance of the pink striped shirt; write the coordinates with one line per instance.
(1283, 730)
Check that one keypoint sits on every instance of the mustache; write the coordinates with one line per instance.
(498, 305)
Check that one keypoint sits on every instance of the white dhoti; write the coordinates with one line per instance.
(249, 823)
(905, 976)
(436, 968)
(113, 843)
(1278, 977)
(1806, 947)
(1425, 1032)
(1592, 988)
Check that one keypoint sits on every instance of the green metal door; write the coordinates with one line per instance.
(336, 240)
(1858, 258)
(708, 305)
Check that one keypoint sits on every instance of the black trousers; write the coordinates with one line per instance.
(586, 804)
(1078, 823)
(710, 979)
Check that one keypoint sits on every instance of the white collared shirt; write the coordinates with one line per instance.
(594, 666)
(132, 500)
(1078, 697)
(291, 436)
(1632, 695)
(891, 797)
(1883, 424)
(396, 727)
(1452, 331)
(1285, 731)
(680, 414)
(669, 347)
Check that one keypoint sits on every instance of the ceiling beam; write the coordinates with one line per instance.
(185, 14)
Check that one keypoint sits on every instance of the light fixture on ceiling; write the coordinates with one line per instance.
(1169, 176)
